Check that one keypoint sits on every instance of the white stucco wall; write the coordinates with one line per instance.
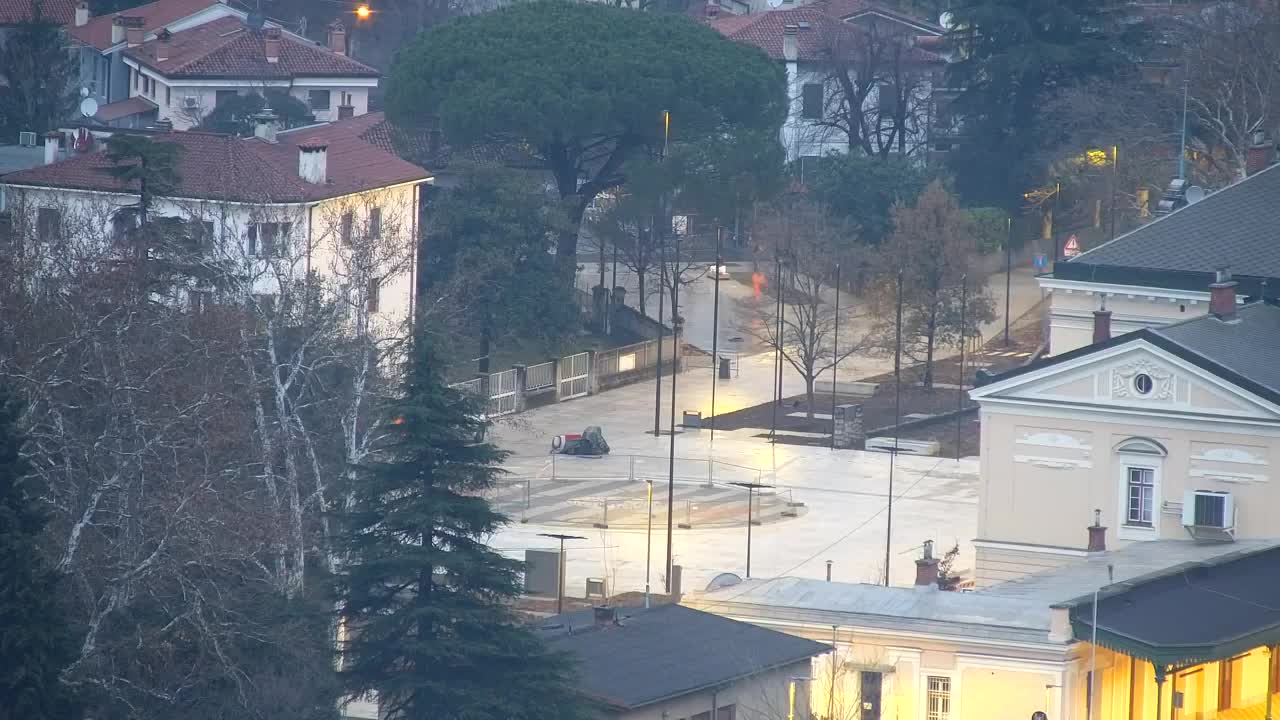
(314, 243)
(803, 137)
(760, 697)
(175, 107)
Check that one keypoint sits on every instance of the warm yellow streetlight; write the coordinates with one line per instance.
(363, 12)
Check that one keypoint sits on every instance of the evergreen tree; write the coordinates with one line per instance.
(1013, 53)
(422, 599)
(36, 642)
(39, 76)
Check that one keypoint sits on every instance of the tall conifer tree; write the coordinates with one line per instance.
(424, 614)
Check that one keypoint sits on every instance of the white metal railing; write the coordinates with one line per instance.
(642, 468)
(469, 387)
(502, 393)
(540, 377)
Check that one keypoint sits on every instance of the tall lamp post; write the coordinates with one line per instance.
(648, 543)
(751, 496)
(560, 566)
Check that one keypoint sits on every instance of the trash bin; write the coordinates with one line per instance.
(724, 368)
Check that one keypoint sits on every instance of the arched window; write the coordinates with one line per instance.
(1142, 446)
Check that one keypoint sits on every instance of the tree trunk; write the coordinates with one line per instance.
(808, 391)
(931, 329)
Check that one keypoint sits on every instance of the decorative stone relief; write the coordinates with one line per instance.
(1122, 379)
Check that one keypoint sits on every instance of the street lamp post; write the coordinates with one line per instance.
(560, 566)
(648, 544)
(751, 492)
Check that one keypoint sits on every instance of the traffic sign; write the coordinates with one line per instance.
(1041, 261)
(1072, 248)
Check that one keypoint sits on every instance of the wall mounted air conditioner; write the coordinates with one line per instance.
(27, 139)
(1209, 514)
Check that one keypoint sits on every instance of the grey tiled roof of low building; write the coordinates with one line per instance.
(667, 651)
(1248, 345)
(1236, 227)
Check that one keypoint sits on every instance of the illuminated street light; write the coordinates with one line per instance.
(363, 12)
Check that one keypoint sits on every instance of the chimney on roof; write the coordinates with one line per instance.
(606, 616)
(790, 42)
(52, 140)
(82, 14)
(711, 10)
(272, 44)
(265, 125)
(1222, 296)
(1261, 154)
(163, 125)
(338, 37)
(1102, 323)
(927, 568)
(117, 30)
(1097, 534)
(313, 161)
(134, 29)
(163, 47)
(346, 112)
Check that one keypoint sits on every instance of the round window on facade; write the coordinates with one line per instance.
(1143, 383)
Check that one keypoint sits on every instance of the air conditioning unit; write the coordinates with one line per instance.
(1209, 514)
(27, 139)
(190, 102)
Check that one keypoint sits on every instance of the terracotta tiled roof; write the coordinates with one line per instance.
(851, 9)
(818, 33)
(223, 167)
(156, 15)
(17, 11)
(228, 48)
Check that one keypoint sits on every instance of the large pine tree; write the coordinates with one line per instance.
(35, 640)
(425, 620)
(1012, 55)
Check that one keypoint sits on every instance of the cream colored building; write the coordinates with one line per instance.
(1165, 433)
(1159, 273)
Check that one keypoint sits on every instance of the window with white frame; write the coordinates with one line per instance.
(1140, 460)
(938, 698)
(1140, 491)
(267, 239)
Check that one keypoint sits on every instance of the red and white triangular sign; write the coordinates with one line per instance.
(1072, 248)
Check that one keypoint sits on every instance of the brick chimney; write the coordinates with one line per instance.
(134, 30)
(313, 161)
(1097, 534)
(271, 44)
(927, 568)
(1102, 323)
(606, 616)
(163, 46)
(265, 125)
(346, 112)
(338, 37)
(1261, 154)
(82, 14)
(52, 140)
(790, 42)
(1222, 296)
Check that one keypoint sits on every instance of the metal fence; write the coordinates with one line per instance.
(502, 393)
(469, 387)
(540, 377)
(631, 357)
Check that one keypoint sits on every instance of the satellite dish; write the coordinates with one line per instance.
(947, 20)
(88, 107)
(1195, 194)
(256, 20)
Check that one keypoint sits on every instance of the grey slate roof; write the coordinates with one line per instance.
(1237, 227)
(1249, 346)
(1244, 351)
(668, 651)
(1196, 612)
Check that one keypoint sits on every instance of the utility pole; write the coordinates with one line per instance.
(897, 420)
(1008, 274)
(715, 343)
(835, 360)
(964, 339)
(675, 370)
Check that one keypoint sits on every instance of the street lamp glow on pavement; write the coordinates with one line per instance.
(560, 566)
(751, 490)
